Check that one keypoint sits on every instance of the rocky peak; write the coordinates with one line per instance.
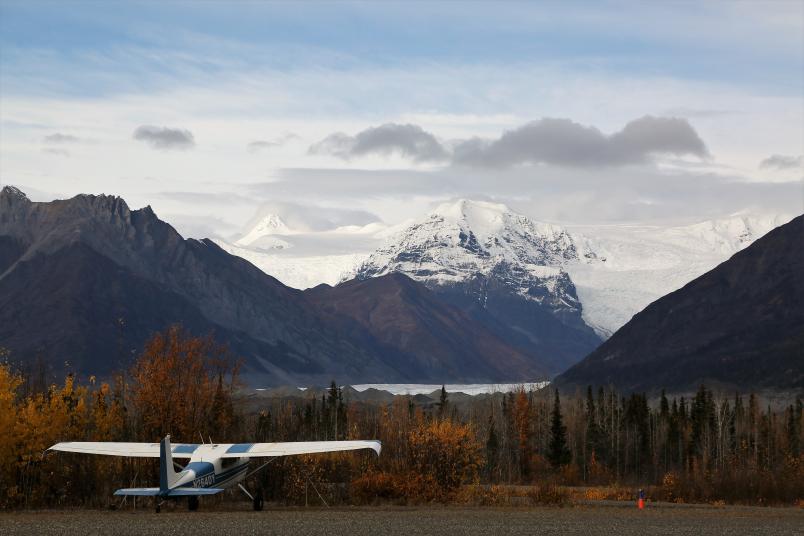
(463, 238)
(10, 194)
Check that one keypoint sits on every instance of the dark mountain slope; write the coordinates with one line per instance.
(419, 334)
(741, 324)
(71, 269)
(194, 281)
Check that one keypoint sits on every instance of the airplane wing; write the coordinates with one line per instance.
(133, 450)
(235, 450)
(256, 450)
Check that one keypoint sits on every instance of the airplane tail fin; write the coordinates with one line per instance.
(167, 473)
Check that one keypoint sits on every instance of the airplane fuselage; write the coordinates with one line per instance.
(206, 469)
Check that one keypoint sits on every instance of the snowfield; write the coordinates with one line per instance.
(616, 270)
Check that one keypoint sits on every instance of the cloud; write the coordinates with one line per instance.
(59, 138)
(563, 142)
(408, 140)
(56, 152)
(562, 194)
(199, 226)
(698, 112)
(165, 138)
(203, 198)
(559, 142)
(780, 161)
(312, 217)
(259, 145)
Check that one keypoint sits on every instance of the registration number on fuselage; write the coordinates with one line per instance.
(204, 481)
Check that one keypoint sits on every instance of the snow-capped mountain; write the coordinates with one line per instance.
(466, 239)
(605, 273)
(501, 266)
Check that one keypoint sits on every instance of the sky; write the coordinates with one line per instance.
(348, 113)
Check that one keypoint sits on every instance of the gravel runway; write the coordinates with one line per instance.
(584, 519)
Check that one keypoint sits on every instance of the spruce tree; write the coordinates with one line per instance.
(443, 401)
(558, 453)
(492, 449)
(594, 437)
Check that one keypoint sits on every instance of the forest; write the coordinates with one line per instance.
(525, 447)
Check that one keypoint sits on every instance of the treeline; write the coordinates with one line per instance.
(704, 448)
(181, 385)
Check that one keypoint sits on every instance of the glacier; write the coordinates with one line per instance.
(606, 272)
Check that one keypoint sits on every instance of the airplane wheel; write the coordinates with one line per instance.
(192, 503)
(258, 501)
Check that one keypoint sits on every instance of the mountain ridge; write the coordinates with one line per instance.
(740, 324)
(91, 261)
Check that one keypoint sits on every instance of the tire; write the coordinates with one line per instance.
(192, 503)
(158, 508)
(258, 501)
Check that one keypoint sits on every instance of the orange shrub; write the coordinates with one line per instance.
(444, 454)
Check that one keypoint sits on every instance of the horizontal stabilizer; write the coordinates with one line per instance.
(187, 492)
(175, 492)
(138, 492)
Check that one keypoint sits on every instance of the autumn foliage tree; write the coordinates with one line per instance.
(444, 454)
(9, 382)
(183, 385)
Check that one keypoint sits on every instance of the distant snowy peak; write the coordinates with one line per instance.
(514, 236)
(463, 240)
(262, 234)
(726, 235)
(470, 236)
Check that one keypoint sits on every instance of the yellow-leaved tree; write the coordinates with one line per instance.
(9, 382)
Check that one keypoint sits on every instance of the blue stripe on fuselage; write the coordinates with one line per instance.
(200, 468)
(221, 480)
(217, 479)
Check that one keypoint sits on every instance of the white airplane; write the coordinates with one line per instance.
(212, 467)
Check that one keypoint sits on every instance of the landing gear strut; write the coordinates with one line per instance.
(192, 503)
(257, 501)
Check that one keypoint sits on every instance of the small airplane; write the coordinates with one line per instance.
(211, 467)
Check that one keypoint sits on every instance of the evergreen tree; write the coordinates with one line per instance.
(664, 407)
(594, 436)
(558, 453)
(443, 401)
(792, 431)
(492, 449)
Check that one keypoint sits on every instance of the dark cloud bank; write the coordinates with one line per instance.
(165, 138)
(259, 145)
(410, 141)
(59, 138)
(780, 161)
(551, 141)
